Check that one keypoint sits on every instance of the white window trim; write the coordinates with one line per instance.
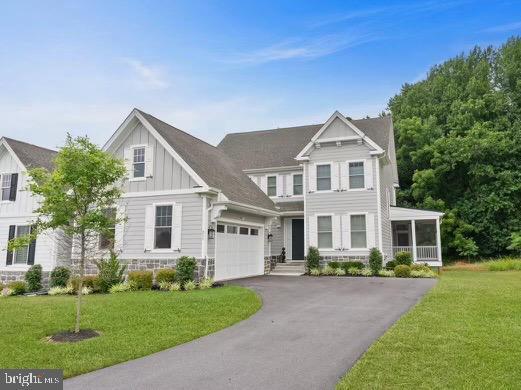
(293, 184)
(330, 163)
(164, 250)
(325, 215)
(363, 161)
(145, 146)
(2, 188)
(276, 176)
(351, 231)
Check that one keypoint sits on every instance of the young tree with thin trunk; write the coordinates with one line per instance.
(75, 198)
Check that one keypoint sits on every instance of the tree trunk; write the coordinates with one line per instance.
(80, 284)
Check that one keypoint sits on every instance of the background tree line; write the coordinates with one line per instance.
(458, 137)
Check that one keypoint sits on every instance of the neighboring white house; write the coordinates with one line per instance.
(235, 206)
(17, 207)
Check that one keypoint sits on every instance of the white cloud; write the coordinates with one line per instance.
(151, 77)
(504, 28)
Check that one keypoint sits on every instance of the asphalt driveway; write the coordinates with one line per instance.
(307, 334)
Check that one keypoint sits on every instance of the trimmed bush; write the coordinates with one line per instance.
(110, 272)
(33, 278)
(403, 258)
(17, 288)
(375, 261)
(419, 267)
(60, 290)
(314, 272)
(351, 264)
(166, 275)
(59, 277)
(313, 258)
(140, 280)
(390, 265)
(185, 269)
(334, 264)
(402, 271)
(206, 283)
(386, 273)
(190, 285)
(120, 287)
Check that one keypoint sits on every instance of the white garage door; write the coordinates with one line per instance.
(239, 251)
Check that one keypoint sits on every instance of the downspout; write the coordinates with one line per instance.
(206, 210)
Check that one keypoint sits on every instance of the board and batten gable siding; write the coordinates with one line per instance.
(341, 203)
(133, 246)
(167, 173)
(337, 128)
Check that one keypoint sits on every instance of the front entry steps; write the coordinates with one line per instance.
(291, 268)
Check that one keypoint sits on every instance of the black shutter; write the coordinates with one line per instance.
(9, 259)
(32, 249)
(14, 186)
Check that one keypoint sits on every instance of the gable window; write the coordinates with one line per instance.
(106, 239)
(272, 185)
(358, 231)
(356, 175)
(21, 255)
(325, 231)
(297, 185)
(138, 162)
(323, 177)
(6, 186)
(163, 227)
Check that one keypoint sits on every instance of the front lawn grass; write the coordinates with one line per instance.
(132, 324)
(466, 333)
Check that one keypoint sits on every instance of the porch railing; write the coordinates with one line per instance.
(423, 253)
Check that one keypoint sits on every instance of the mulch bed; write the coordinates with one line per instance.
(71, 337)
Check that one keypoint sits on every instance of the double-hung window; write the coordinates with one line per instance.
(323, 177)
(106, 238)
(138, 162)
(297, 184)
(6, 186)
(358, 231)
(272, 185)
(21, 255)
(163, 227)
(356, 175)
(325, 231)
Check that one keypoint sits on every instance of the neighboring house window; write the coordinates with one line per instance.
(356, 174)
(272, 185)
(358, 231)
(323, 177)
(163, 227)
(106, 239)
(325, 232)
(22, 254)
(297, 185)
(139, 162)
(6, 186)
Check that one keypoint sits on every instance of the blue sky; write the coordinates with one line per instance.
(215, 67)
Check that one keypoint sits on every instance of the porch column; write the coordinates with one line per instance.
(413, 228)
(438, 238)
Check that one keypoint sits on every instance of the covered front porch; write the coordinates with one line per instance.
(417, 232)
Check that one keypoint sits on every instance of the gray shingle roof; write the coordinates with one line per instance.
(279, 147)
(32, 156)
(212, 165)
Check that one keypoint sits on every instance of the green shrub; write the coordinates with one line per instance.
(140, 280)
(386, 273)
(206, 283)
(419, 267)
(190, 285)
(164, 285)
(86, 290)
(59, 277)
(339, 271)
(18, 287)
(375, 261)
(403, 258)
(175, 286)
(313, 258)
(110, 272)
(354, 271)
(402, 271)
(185, 269)
(327, 270)
(366, 272)
(166, 275)
(390, 265)
(314, 271)
(89, 281)
(120, 287)
(60, 290)
(423, 274)
(334, 264)
(351, 264)
(33, 278)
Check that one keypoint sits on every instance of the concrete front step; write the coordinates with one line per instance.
(293, 268)
(286, 273)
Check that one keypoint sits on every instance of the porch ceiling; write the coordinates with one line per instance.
(407, 214)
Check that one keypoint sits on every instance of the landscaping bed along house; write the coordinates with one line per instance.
(401, 267)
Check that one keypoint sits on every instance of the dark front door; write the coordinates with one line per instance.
(297, 239)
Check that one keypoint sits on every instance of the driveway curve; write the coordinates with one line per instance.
(309, 332)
